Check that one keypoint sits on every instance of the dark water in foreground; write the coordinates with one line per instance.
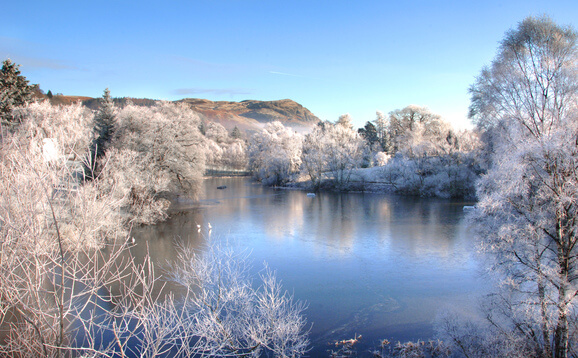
(377, 265)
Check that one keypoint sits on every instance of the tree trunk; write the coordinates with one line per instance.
(561, 334)
(547, 349)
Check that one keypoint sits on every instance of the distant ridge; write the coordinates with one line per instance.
(66, 100)
(248, 115)
(252, 114)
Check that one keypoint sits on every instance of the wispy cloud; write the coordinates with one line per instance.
(217, 91)
(46, 63)
(285, 74)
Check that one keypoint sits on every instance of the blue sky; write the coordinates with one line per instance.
(333, 57)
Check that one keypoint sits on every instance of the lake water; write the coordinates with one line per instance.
(372, 264)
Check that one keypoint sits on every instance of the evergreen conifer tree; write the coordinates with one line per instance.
(236, 133)
(14, 90)
(369, 133)
(104, 125)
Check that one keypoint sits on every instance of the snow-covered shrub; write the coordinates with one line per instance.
(381, 158)
(444, 176)
(228, 315)
(402, 174)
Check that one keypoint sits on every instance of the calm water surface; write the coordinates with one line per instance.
(377, 265)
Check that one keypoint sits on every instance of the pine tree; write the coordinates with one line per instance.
(104, 121)
(14, 90)
(104, 125)
(369, 133)
(236, 133)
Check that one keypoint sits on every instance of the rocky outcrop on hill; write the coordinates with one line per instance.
(251, 114)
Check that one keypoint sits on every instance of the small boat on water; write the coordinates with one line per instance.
(310, 194)
(222, 187)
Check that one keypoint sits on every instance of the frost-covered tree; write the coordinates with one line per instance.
(223, 150)
(214, 153)
(424, 140)
(14, 90)
(448, 176)
(526, 217)
(155, 154)
(333, 150)
(235, 155)
(313, 162)
(68, 128)
(343, 149)
(51, 228)
(345, 120)
(216, 132)
(381, 129)
(411, 121)
(430, 158)
(275, 154)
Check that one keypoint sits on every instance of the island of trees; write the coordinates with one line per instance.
(75, 180)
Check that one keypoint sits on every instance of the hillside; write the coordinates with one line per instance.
(248, 115)
(66, 100)
(251, 114)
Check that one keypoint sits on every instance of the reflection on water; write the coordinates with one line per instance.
(370, 264)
